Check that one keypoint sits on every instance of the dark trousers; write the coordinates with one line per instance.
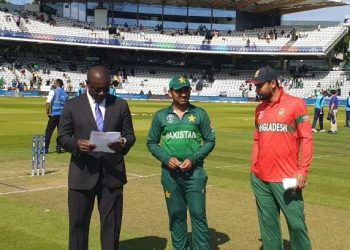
(318, 116)
(347, 119)
(52, 123)
(110, 206)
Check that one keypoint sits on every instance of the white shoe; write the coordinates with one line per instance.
(322, 131)
(314, 130)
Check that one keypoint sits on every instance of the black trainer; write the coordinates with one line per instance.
(59, 150)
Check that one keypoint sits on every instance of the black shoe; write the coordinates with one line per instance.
(331, 132)
(59, 150)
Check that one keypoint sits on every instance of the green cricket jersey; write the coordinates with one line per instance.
(191, 137)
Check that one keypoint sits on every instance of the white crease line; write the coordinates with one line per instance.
(58, 171)
(26, 176)
(64, 186)
(146, 176)
(32, 190)
(137, 175)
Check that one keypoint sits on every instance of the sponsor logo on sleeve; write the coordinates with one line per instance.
(306, 118)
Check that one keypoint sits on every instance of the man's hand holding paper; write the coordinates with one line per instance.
(85, 146)
(108, 142)
(298, 182)
(118, 145)
(301, 180)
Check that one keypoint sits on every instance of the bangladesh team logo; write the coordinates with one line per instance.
(282, 111)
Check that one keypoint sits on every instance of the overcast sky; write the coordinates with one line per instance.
(327, 14)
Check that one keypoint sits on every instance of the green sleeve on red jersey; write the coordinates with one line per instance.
(305, 135)
(302, 118)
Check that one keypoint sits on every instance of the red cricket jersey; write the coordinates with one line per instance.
(282, 139)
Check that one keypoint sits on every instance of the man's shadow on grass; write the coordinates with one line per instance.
(157, 243)
(144, 243)
(216, 238)
(286, 245)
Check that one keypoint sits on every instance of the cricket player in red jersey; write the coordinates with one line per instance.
(282, 149)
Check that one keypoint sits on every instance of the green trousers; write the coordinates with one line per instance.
(270, 199)
(182, 191)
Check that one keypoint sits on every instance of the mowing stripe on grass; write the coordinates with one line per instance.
(326, 156)
(9, 185)
(233, 165)
(63, 186)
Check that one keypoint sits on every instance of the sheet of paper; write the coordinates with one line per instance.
(289, 183)
(102, 139)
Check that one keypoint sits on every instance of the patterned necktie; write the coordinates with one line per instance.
(99, 117)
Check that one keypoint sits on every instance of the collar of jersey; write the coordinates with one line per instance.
(171, 110)
(279, 98)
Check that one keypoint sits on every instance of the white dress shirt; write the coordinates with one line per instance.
(92, 102)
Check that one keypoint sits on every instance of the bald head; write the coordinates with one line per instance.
(97, 73)
(98, 82)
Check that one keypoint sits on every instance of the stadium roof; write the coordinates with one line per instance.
(255, 6)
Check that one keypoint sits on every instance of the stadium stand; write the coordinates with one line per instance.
(278, 39)
(287, 40)
(8, 22)
(146, 81)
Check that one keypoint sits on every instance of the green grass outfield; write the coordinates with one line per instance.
(33, 210)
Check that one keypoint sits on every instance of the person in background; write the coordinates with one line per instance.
(319, 112)
(81, 90)
(347, 112)
(282, 149)
(112, 90)
(54, 106)
(333, 111)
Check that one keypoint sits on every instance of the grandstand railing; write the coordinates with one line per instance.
(308, 101)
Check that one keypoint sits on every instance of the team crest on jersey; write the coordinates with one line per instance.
(260, 115)
(282, 111)
(306, 118)
(191, 118)
(170, 118)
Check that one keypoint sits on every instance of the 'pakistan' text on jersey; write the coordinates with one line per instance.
(282, 131)
(188, 138)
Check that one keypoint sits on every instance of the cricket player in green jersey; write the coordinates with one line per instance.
(181, 137)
